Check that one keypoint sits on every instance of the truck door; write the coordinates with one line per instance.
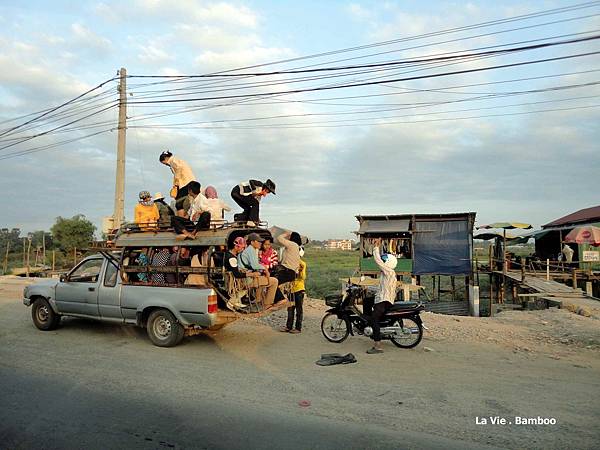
(109, 299)
(78, 294)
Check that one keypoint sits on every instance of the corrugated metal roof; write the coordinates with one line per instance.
(384, 226)
(586, 215)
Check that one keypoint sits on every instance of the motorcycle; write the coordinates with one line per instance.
(401, 324)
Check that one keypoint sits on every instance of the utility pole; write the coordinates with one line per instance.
(119, 211)
(6, 257)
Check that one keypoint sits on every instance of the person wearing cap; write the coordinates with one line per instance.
(386, 293)
(248, 194)
(182, 177)
(164, 210)
(248, 260)
(146, 213)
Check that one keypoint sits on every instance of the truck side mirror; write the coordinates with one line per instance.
(62, 278)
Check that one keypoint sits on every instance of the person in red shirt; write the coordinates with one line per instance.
(268, 255)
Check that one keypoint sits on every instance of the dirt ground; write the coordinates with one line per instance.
(516, 364)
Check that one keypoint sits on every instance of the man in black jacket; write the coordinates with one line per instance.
(247, 194)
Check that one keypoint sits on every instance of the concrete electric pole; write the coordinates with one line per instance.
(119, 212)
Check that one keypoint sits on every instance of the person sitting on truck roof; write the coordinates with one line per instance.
(248, 194)
(186, 228)
(146, 213)
(211, 202)
(164, 210)
(182, 177)
(266, 285)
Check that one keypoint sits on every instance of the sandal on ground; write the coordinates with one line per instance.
(284, 329)
(294, 331)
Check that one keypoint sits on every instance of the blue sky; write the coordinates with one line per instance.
(523, 167)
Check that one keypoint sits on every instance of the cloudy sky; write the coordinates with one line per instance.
(518, 143)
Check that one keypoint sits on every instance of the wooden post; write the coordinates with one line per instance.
(503, 293)
(6, 258)
(43, 248)
(491, 294)
(547, 269)
(419, 284)
(574, 278)
(453, 287)
(522, 272)
(24, 248)
(28, 251)
(433, 290)
(53, 260)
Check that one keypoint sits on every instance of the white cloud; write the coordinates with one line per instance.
(87, 38)
(197, 11)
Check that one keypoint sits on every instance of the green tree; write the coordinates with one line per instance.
(76, 232)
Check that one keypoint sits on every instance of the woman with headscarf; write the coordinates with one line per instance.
(146, 213)
(182, 177)
(211, 202)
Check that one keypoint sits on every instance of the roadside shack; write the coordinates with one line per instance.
(428, 247)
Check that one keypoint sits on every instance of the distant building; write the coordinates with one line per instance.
(339, 244)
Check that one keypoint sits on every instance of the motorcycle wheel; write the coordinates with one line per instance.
(411, 335)
(335, 329)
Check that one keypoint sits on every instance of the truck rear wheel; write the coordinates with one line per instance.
(163, 328)
(44, 317)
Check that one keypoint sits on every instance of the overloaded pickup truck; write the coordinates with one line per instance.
(172, 288)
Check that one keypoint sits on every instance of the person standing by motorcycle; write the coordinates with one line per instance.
(386, 294)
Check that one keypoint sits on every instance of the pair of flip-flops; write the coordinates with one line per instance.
(331, 359)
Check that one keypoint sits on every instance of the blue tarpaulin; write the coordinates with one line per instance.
(442, 248)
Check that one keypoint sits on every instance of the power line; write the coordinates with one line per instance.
(57, 107)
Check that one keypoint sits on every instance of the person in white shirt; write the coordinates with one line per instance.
(182, 177)
(386, 293)
(211, 202)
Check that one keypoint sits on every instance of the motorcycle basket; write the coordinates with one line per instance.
(333, 300)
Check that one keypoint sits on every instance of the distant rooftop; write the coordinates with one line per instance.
(585, 215)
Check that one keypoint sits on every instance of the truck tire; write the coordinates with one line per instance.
(163, 328)
(44, 317)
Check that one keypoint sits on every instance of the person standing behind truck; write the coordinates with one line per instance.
(298, 291)
(182, 177)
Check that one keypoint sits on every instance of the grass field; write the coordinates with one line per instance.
(325, 268)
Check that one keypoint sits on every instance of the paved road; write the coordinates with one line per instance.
(98, 386)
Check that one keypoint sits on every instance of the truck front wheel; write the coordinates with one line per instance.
(44, 317)
(163, 328)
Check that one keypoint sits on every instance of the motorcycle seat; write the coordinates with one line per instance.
(403, 306)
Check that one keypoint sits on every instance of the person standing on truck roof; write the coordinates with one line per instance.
(146, 213)
(182, 177)
(164, 210)
(248, 194)
(248, 260)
